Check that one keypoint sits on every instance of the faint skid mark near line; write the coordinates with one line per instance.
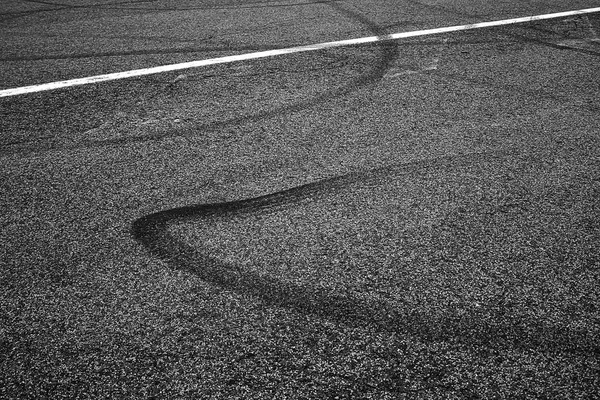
(181, 50)
(374, 74)
(585, 43)
(590, 27)
(380, 37)
(48, 3)
(258, 4)
(580, 44)
(125, 5)
(432, 66)
(100, 5)
(4, 17)
(583, 19)
(122, 125)
(575, 37)
(515, 89)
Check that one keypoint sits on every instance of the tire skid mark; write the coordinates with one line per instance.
(532, 27)
(250, 5)
(118, 5)
(573, 38)
(62, 7)
(389, 52)
(431, 66)
(559, 46)
(90, 5)
(47, 3)
(181, 50)
(152, 231)
(505, 86)
(4, 17)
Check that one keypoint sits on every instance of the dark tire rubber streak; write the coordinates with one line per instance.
(389, 52)
(152, 231)
(388, 55)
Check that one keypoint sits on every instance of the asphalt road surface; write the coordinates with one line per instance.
(415, 218)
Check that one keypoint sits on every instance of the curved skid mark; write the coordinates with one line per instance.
(581, 40)
(389, 51)
(152, 231)
(284, 51)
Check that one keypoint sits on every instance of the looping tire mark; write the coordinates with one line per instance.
(371, 312)
(389, 51)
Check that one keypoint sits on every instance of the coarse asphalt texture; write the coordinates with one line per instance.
(413, 219)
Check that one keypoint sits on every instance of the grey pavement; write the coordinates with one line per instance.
(407, 219)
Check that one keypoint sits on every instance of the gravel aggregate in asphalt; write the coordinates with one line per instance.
(348, 223)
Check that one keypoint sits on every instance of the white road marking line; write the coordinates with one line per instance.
(290, 50)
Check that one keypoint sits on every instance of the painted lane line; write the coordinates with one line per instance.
(277, 52)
